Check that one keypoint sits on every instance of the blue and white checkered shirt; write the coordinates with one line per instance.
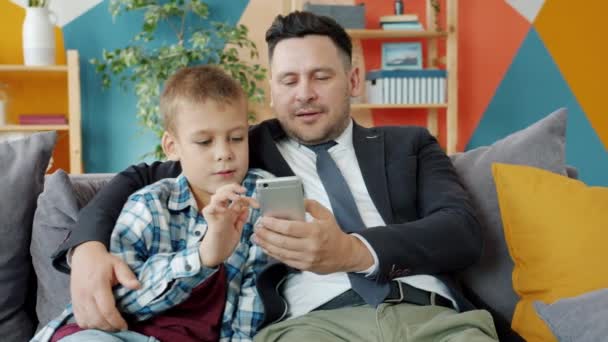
(158, 235)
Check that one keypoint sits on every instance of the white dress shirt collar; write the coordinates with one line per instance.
(344, 140)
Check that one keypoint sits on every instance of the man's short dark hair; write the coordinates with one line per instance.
(300, 23)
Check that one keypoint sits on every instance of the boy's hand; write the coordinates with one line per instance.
(226, 215)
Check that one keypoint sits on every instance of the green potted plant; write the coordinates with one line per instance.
(437, 9)
(37, 3)
(197, 41)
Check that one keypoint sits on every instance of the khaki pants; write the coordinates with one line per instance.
(387, 323)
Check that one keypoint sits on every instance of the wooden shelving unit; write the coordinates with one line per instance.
(25, 68)
(449, 33)
(397, 106)
(33, 128)
(432, 35)
(72, 71)
(397, 34)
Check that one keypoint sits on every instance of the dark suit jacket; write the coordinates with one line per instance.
(430, 223)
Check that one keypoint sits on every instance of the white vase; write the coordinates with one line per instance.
(38, 37)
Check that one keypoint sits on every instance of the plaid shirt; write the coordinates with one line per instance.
(158, 235)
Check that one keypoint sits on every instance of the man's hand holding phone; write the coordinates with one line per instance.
(226, 215)
(318, 246)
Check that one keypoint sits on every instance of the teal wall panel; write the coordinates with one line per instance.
(532, 88)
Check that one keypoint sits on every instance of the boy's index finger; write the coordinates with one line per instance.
(247, 202)
(231, 188)
(237, 188)
(229, 192)
(253, 202)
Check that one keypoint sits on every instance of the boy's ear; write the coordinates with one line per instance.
(169, 145)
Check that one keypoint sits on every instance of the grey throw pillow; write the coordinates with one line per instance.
(582, 318)
(58, 206)
(540, 145)
(22, 166)
(56, 214)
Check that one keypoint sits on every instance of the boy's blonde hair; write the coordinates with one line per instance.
(195, 85)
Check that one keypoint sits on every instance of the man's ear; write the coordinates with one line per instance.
(169, 145)
(270, 90)
(354, 82)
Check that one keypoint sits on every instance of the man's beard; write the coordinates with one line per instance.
(331, 132)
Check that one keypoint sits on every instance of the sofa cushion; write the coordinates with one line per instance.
(541, 145)
(56, 214)
(555, 228)
(87, 185)
(582, 318)
(58, 206)
(22, 166)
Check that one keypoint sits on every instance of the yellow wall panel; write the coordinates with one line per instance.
(32, 93)
(575, 35)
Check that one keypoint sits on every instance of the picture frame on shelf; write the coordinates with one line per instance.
(403, 55)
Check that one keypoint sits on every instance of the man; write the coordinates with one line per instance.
(390, 218)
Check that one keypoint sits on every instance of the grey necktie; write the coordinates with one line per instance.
(348, 217)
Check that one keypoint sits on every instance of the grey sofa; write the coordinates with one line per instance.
(44, 292)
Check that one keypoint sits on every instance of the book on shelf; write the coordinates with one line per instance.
(42, 119)
(401, 22)
(414, 26)
(406, 86)
(400, 18)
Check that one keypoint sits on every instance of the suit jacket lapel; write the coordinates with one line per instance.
(369, 149)
(264, 152)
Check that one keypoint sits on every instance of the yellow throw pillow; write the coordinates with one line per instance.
(557, 232)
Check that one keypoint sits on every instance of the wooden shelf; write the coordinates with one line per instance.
(33, 128)
(387, 34)
(438, 31)
(26, 68)
(398, 106)
(67, 75)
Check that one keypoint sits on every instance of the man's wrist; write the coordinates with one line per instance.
(89, 245)
(361, 258)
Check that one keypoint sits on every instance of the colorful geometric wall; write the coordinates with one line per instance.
(558, 64)
(518, 61)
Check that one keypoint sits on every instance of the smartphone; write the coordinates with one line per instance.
(282, 197)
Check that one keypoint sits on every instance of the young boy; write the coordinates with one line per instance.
(178, 252)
